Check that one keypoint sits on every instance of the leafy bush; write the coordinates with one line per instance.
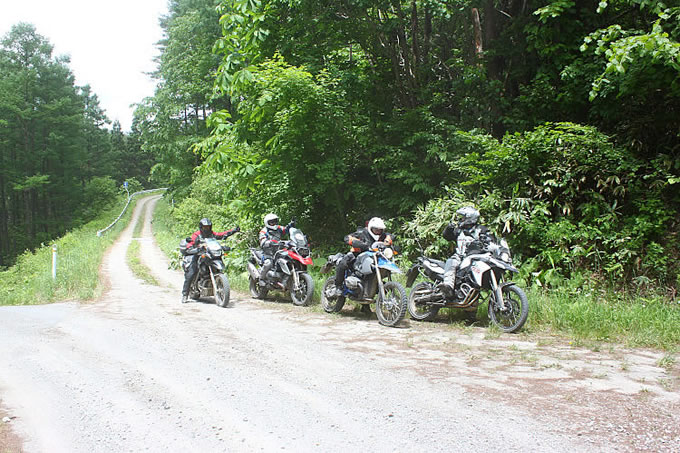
(568, 199)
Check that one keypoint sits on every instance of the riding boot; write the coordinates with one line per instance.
(448, 284)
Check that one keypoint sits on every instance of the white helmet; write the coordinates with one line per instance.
(376, 227)
(271, 221)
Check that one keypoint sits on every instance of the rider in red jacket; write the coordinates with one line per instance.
(204, 231)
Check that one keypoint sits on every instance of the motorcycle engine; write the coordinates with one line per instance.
(205, 285)
(352, 282)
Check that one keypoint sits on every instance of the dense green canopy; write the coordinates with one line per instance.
(559, 119)
(58, 162)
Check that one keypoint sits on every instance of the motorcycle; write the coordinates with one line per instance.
(211, 279)
(485, 271)
(289, 272)
(364, 284)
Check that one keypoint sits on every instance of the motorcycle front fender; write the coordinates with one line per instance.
(504, 284)
(411, 274)
(218, 266)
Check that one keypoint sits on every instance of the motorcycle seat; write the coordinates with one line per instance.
(439, 263)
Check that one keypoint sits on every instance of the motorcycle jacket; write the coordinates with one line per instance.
(473, 239)
(270, 238)
(361, 240)
(197, 238)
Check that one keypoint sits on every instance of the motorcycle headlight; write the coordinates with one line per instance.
(388, 253)
(505, 256)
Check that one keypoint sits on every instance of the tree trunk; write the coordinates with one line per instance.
(479, 47)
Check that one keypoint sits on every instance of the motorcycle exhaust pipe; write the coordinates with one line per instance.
(253, 271)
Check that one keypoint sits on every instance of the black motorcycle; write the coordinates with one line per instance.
(211, 279)
(485, 271)
(289, 272)
(364, 284)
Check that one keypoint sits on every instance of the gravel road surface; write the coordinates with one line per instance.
(138, 371)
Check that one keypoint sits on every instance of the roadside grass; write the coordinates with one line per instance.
(79, 255)
(606, 317)
(132, 256)
(583, 316)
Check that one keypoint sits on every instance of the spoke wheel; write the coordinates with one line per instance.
(391, 309)
(516, 309)
(305, 290)
(331, 305)
(223, 290)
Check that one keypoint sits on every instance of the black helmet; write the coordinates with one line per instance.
(205, 227)
(467, 217)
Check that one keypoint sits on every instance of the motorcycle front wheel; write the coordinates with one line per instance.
(222, 290)
(421, 312)
(257, 291)
(516, 309)
(305, 291)
(331, 305)
(392, 309)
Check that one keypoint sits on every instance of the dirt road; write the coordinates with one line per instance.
(138, 371)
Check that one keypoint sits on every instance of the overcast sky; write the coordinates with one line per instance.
(111, 44)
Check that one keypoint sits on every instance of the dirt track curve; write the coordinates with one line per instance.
(138, 371)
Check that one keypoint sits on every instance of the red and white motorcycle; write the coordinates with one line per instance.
(289, 272)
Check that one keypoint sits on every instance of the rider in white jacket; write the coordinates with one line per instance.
(471, 237)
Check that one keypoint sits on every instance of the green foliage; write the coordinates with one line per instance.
(79, 255)
(57, 159)
(575, 201)
(338, 111)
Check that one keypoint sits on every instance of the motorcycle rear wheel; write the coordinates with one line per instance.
(392, 309)
(304, 293)
(223, 290)
(421, 312)
(516, 309)
(331, 305)
(257, 291)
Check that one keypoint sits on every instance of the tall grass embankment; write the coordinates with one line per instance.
(574, 311)
(79, 255)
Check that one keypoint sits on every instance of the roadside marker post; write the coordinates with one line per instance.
(54, 262)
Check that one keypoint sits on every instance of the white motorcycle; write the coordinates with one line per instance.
(477, 273)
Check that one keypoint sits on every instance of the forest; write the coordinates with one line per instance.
(59, 163)
(558, 119)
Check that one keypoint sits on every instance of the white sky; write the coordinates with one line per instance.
(111, 44)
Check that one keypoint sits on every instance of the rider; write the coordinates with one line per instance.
(204, 231)
(360, 241)
(270, 236)
(471, 237)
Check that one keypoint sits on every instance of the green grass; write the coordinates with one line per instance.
(597, 316)
(79, 255)
(132, 256)
(136, 266)
(587, 317)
